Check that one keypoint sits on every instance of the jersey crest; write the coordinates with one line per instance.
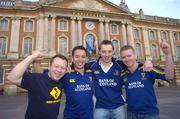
(143, 76)
(116, 72)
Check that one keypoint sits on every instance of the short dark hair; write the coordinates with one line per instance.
(126, 47)
(58, 56)
(80, 47)
(106, 42)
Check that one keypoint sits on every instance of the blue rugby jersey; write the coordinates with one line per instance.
(43, 96)
(108, 86)
(79, 91)
(141, 98)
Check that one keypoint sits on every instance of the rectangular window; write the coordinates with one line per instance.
(2, 46)
(152, 35)
(29, 26)
(63, 46)
(154, 51)
(63, 25)
(27, 46)
(136, 33)
(178, 52)
(138, 50)
(1, 75)
(114, 29)
(3, 25)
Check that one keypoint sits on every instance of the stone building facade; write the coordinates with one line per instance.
(56, 26)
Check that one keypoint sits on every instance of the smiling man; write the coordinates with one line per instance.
(78, 87)
(44, 90)
(141, 99)
(108, 84)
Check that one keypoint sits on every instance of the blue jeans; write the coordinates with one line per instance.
(118, 113)
(131, 115)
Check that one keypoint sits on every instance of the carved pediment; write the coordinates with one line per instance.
(92, 5)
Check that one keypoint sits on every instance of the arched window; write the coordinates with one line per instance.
(178, 52)
(90, 43)
(27, 46)
(138, 50)
(116, 47)
(63, 25)
(114, 29)
(3, 25)
(175, 37)
(154, 51)
(29, 26)
(136, 33)
(2, 46)
(63, 46)
(152, 35)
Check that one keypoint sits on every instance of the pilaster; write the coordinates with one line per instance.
(40, 33)
(101, 30)
(46, 34)
(160, 40)
(73, 32)
(52, 35)
(130, 34)
(79, 30)
(124, 37)
(172, 44)
(14, 41)
(107, 29)
(146, 44)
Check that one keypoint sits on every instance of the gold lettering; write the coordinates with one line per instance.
(52, 101)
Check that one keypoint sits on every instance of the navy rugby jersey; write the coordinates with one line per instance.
(140, 93)
(43, 96)
(108, 86)
(79, 91)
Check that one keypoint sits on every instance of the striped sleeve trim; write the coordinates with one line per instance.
(158, 71)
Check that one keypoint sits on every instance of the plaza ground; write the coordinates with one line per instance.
(14, 107)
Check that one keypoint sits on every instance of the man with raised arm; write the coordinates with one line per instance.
(44, 90)
(141, 99)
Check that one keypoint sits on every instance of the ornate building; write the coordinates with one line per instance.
(56, 26)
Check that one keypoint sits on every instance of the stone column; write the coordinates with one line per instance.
(52, 36)
(14, 41)
(160, 40)
(73, 32)
(101, 30)
(146, 44)
(39, 33)
(130, 34)
(172, 44)
(79, 40)
(107, 30)
(124, 36)
(46, 35)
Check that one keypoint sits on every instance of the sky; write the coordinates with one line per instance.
(162, 8)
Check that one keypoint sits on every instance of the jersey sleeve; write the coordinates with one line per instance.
(64, 79)
(90, 63)
(121, 64)
(158, 73)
